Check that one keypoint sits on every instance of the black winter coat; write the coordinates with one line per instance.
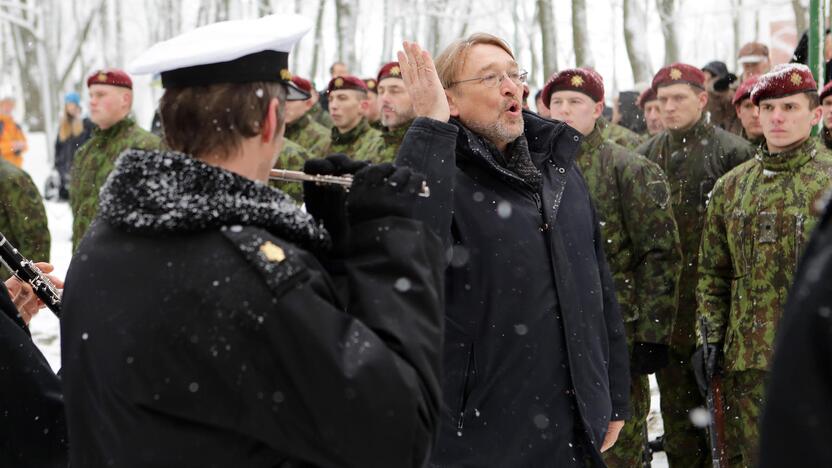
(32, 420)
(535, 361)
(198, 330)
(65, 154)
(795, 428)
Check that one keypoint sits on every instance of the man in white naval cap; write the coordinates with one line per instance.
(201, 327)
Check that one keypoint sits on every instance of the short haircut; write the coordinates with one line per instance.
(452, 60)
(199, 120)
(814, 99)
(332, 67)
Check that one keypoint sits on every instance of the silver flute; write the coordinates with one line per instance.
(343, 181)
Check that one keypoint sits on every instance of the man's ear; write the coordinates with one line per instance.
(452, 104)
(307, 104)
(818, 115)
(269, 128)
(598, 110)
(703, 100)
(364, 106)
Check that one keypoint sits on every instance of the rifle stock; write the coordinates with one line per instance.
(714, 401)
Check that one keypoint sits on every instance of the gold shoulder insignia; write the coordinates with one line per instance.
(272, 252)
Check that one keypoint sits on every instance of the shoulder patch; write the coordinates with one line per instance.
(658, 191)
(277, 261)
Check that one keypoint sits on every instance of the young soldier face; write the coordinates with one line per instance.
(653, 117)
(372, 107)
(787, 121)
(827, 112)
(394, 103)
(345, 107)
(494, 113)
(681, 105)
(109, 104)
(749, 117)
(576, 109)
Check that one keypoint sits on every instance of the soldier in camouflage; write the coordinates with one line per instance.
(748, 113)
(693, 155)
(352, 135)
(619, 135)
(648, 102)
(826, 104)
(292, 157)
(396, 107)
(301, 128)
(372, 112)
(111, 98)
(640, 238)
(759, 220)
(22, 216)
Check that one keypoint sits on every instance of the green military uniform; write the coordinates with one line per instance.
(93, 163)
(692, 160)
(758, 222)
(310, 135)
(321, 116)
(641, 243)
(619, 135)
(392, 141)
(22, 215)
(362, 142)
(292, 157)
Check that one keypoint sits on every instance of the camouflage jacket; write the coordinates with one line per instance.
(641, 241)
(93, 163)
(619, 135)
(22, 215)
(318, 114)
(826, 137)
(311, 135)
(292, 157)
(692, 161)
(362, 142)
(392, 141)
(759, 220)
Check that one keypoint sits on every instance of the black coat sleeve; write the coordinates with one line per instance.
(32, 421)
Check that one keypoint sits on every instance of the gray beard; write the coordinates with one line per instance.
(495, 132)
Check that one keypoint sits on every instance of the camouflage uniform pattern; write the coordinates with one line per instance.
(362, 142)
(758, 222)
(93, 163)
(392, 141)
(619, 135)
(826, 137)
(318, 114)
(692, 160)
(292, 157)
(22, 215)
(311, 135)
(632, 198)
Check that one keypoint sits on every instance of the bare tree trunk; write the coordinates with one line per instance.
(801, 17)
(580, 35)
(264, 7)
(119, 58)
(316, 49)
(548, 37)
(387, 39)
(104, 26)
(636, 42)
(667, 11)
(463, 32)
(345, 18)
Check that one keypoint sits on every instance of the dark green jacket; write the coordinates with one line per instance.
(619, 135)
(362, 142)
(22, 215)
(309, 134)
(392, 141)
(292, 157)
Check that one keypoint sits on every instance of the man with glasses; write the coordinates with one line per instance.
(536, 371)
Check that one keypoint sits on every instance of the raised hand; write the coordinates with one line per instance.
(422, 82)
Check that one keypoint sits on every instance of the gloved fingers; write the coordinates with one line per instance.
(399, 178)
(319, 166)
(344, 164)
(373, 175)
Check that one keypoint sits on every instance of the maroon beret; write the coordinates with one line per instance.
(827, 91)
(784, 80)
(389, 70)
(372, 84)
(582, 80)
(302, 83)
(646, 96)
(679, 73)
(112, 77)
(744, 91)
(346, 82)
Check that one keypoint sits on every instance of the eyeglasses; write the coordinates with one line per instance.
(492, 80)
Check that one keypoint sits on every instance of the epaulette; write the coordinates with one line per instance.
(277, 261)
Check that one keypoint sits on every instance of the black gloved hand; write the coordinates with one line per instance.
(382, 190)
(326, 202)
(704, 371)
(647, 358)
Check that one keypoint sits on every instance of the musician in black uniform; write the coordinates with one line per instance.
(200, 327)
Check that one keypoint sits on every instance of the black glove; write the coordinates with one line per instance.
(704, 371)
(326, 202)
(382, 190)
(647, 358)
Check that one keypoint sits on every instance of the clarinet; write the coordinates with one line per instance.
(26, 270)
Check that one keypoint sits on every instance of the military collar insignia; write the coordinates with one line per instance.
(675, 74)
(272, 252)
(577, 81)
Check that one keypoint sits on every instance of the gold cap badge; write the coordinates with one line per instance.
(395, 71)
(102, 76)
(796, 79)
(675, 74)
(285, 75)
(272, 252)
(577, 81)
(339, 82)
(371, 84)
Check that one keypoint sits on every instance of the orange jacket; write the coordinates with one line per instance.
(10, 133)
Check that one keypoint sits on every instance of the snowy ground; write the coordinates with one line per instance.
(45, 326)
